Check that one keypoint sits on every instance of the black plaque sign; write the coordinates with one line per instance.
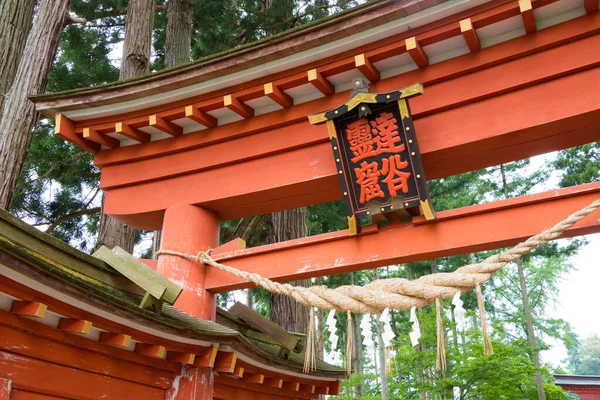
(377, 155)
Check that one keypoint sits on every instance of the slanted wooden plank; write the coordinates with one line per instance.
(173, 291)
(269, 328)
(140, 276)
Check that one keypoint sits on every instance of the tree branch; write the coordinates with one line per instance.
(253, 224)
(80, 213)
(54, 166)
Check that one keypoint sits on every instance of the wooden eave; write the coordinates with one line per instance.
(57, 266)
(305, 37)
(242, 57)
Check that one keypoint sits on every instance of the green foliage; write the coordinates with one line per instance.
(579, 164)
(584, 355)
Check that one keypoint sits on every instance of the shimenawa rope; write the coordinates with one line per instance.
(397, 293)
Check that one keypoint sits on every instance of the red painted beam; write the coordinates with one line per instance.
(366, 67)
(416, 52)
(591, 6)
(5, 389)
(65, 129)
(277, 95)
(527, 14)
(551, 38)
(200, 117)
(28, 309)
(464, 230)
(65, 382)
(320, 82)
(131, 132)
(238, 107)
(469, 34)
(164, 125)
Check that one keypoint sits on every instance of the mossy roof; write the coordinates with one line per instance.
(96, 279)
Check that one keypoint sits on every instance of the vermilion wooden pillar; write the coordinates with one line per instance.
(193, 383)
(5, 387)
(189, 229)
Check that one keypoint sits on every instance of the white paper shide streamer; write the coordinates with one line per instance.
(459, 312)
(367, 331)
(415, 334)
(388, 334)
(333, 337)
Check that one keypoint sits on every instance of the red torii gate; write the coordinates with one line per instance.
(515, 99)
(229, 137)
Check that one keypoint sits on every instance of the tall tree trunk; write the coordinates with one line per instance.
(535, 356)
(138, 39)
(15, 23)
(135, 62)
(178, 42)
(32, 76)
(285, 312)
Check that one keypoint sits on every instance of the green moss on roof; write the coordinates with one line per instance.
(85, 273)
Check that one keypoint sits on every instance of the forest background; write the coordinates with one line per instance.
(58, 191)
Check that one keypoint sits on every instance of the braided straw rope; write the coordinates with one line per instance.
(397, 293)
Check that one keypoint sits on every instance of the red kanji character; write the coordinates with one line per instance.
(385, 127)
(360, 139)
(367, 176)
(396, 180)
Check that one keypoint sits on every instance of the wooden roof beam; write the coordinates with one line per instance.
(469, 34)
(201, 117)
(591, 6)
(273, 382)
(28, 309)
(238, 372)
(334, 388)
(526, 9)
(307, 388)
(164, 125)
(151, 350)
(280, 97)
(321, 390)
(102, 139)
(115, 339)
(253, 378)
(125, 129)
(416, 52)
(225, 362)
(181, 358)
(206, 358)
(366, 67)
(291, 386)
(238, 107)
(72, 325)
(320, 82)
(65, 129)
